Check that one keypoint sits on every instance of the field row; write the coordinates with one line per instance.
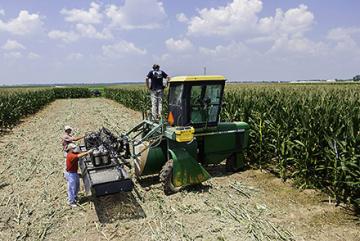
(18, 103)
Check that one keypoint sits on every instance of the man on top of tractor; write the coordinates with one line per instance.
(156, 87)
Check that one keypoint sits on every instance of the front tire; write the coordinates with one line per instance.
(166, 178)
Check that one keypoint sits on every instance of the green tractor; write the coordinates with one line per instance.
(179, 149)
(192, 138)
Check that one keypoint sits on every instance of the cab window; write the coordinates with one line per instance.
(176, 95)
(205, 103)
(213, 94)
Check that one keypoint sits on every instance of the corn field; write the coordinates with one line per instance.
(65, 93)
(137, 98)
(18, 103)
(309, 133)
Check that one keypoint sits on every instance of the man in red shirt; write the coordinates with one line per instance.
(71, 174)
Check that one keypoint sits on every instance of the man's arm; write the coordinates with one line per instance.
(148, 77)
(72, 138)
(78, 138)
(147, 82)
(84, 153)
(167, 77)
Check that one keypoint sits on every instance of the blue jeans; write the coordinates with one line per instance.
(156, 102)
(73, 187)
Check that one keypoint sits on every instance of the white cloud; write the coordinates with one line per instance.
(2, 12)
(241, 17)
(121, 49)
(236, 17)
(66, 37)
(340, 34)
(294, 21)
(12, 45)
(261, 39)
(92, 16)
(81, 30)
(233, 50)
(301, 46)
(89, 31)
(13, 55)
(33, 56)
(137, 14)
(182, 18)
(344, 38)
(83, 26)
(75, 56)
(286, 30)
(25, 23)
(180, 45)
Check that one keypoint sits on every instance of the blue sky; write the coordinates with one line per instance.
(113, 41)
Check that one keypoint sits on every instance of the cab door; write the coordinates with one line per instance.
(205, 103)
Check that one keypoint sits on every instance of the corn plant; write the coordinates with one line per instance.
(309, 133)
(15, 105)
(66, 93)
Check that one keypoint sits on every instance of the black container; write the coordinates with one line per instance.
(97, 160)
(105, 158)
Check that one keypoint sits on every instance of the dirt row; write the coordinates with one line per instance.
(250, 205)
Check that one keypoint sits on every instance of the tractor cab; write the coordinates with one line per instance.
(195, 100)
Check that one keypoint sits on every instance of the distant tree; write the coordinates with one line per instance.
(356, 78)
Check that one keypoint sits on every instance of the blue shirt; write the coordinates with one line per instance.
(156, 77)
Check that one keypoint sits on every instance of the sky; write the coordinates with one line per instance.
(67, 41)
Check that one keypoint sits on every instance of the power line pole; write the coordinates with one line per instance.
(204, 70)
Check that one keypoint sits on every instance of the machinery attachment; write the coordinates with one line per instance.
(103, 171)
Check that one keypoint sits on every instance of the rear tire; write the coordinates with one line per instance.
(166, 178)
(230, 165)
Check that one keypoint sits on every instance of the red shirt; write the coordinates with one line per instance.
(72, 162)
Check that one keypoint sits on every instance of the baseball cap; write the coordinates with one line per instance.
(71, 146)
(68, 128)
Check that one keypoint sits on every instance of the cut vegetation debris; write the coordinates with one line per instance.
(249, 205)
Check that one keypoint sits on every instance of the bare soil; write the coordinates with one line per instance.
(250, 205)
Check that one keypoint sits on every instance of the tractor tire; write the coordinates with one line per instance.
(166, 178)
(230, 164)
